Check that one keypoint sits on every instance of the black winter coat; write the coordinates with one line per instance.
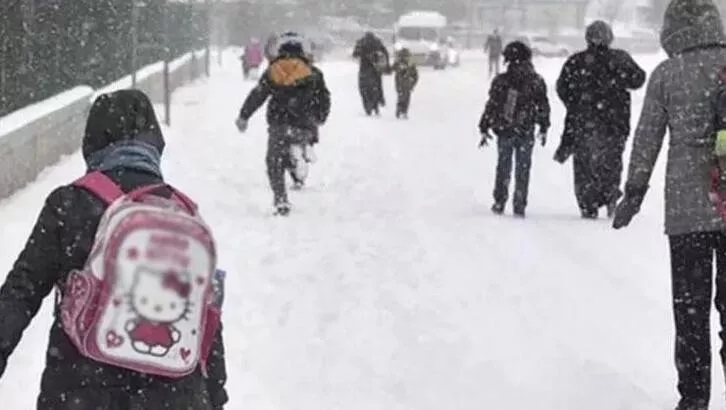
(405, 76)
(297, 91)
(594, 86)
(60, 243)
(532, 105)
(367, 50)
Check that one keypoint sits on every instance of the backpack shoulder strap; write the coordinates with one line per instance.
(100, 185)
(176, 195)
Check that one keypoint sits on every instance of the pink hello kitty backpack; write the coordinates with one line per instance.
(145, 298)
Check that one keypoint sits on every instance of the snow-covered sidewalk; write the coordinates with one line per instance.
(391, 286)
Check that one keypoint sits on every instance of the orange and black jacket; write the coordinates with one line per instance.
(298, 96)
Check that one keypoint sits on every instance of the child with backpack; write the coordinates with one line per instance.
(406, 78)
(138, 297)
(517, 102)
(299, 104)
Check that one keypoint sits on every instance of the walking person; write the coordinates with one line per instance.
(373, 61)
(517, 103)
(679, 99)
(299, 103)
(406, 78)
(493, 46)
(595, 87)
(69, 252)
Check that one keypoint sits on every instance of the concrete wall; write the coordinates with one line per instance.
(36, 136)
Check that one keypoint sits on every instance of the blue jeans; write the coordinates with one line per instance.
(520, 148)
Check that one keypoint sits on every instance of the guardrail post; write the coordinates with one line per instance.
(167, 92)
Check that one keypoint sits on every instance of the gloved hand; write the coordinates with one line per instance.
(562, 154)
(241, 124)
(629, 206)
(485, 137)
(542, 137)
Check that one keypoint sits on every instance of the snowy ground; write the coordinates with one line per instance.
(392, 286)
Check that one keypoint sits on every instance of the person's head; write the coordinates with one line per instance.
(517, 52)
(404, 55)
(691, 23)
(369, 35)
(121, 117)
(599, 34)
(291, 44)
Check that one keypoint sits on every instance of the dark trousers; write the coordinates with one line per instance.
(692, 259)
(370, 86)
(404, 100)
(278, 156)
(520, 147)
(598, 169)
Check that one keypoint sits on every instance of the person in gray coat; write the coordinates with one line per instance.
(679, 100)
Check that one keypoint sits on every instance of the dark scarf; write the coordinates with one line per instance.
(131, 154)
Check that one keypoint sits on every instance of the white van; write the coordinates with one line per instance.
(423, 33)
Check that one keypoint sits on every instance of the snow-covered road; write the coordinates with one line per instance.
(391, 286)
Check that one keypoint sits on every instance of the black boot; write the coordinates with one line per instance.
(498, 208)
(282, 208)
(519, 212)
(611, 209)
(589, 214)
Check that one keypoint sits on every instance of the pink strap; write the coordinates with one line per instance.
(185, 200)
(175, 195)
(100, 185)
(106, 189)
(144, 190)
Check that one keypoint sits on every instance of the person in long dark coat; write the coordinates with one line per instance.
(595, 86)
(123, 140)
(373, 60)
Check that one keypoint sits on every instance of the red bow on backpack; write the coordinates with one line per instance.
(171, 281)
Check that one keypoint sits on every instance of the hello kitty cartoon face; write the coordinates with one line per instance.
(160, 297)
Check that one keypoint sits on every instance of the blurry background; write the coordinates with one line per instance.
(47, 46)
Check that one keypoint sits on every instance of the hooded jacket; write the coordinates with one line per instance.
(405, 73)
(61, 242)
(679, 100)
(368, 50)
(595, 85)
(297, 91)
(532, 105)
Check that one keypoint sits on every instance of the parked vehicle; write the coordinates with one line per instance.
(423, 33)
(545, 46)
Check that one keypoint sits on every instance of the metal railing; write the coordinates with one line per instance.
(48, 47)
